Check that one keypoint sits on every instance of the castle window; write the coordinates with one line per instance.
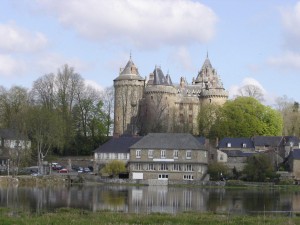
(190, 106)
(175, 154)
(138, 154)
(210, 100)
(138, 166)
(163, 154)
(188, 154)
(176, 167)
(163, 166)
(181, 119)
(150, 153)
(150, 166)
(151, 97)
(188, 167)
(181, 106)
(190, 118)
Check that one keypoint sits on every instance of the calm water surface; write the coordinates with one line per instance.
(149, 199)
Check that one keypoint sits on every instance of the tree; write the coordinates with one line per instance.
(259, 168)
(43, 91)
(251, 90)
(107, 97)
(45, 130)
(217, 171)
(114, 168)
(13, 104)
(246, 117)
(206, 118)
(289, 110)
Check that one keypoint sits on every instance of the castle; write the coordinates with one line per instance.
(156, 104)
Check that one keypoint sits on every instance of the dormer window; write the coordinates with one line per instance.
(244, 145)
(228, 145)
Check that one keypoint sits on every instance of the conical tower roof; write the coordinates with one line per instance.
(160, 78)
(129, 72)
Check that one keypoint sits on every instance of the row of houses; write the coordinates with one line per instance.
(175, 156)
(181, 156)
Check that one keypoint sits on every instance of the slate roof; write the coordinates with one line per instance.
(291, 139)
(10, 134)
(117, 145)
(159, 77)
(296, 154)
(130, 72)
(236, 142)
(201, 140)
(168, 141)
(267, 140)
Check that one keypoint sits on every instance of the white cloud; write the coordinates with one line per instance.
(291, 23)
(15, 39)
(183, 58)
(51, 62)
(269, 98)
(144, 23)
(10, 66)
(289, 60)
(94, 84)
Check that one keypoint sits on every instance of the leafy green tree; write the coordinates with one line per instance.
(114, 167)
(289, 110)
(45, 130)
(218, 170)
(207, 117)
(246, 117)
(259, 168)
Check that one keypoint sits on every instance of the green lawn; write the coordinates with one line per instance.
(73, 216)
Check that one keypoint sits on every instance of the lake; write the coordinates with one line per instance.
(148, 199)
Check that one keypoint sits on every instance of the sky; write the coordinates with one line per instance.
(248, 42)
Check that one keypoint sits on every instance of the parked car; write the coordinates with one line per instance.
(86, 170)
(80, 170)
(56, 166)
(36, 174)
(63, 170)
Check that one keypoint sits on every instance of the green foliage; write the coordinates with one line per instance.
(246, 117)
(114, 167)
(206, 118)
(217, 170)
(259, 168)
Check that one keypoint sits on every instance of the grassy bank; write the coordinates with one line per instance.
(74, 217)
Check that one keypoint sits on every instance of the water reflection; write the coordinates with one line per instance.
(148, 199)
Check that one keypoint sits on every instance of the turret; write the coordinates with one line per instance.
(129, 88)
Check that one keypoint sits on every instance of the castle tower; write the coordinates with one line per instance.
(160, 95)
(129, 89)
(211, 84)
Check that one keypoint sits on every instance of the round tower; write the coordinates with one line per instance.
(160, 95)
(129, 89)
(212, 86)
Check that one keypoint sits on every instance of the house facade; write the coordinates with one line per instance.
(277, 148)
(117, 148)
(168, 156)
(294, 164)
(13, 147)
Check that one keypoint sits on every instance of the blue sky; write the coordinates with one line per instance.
(248, 42)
